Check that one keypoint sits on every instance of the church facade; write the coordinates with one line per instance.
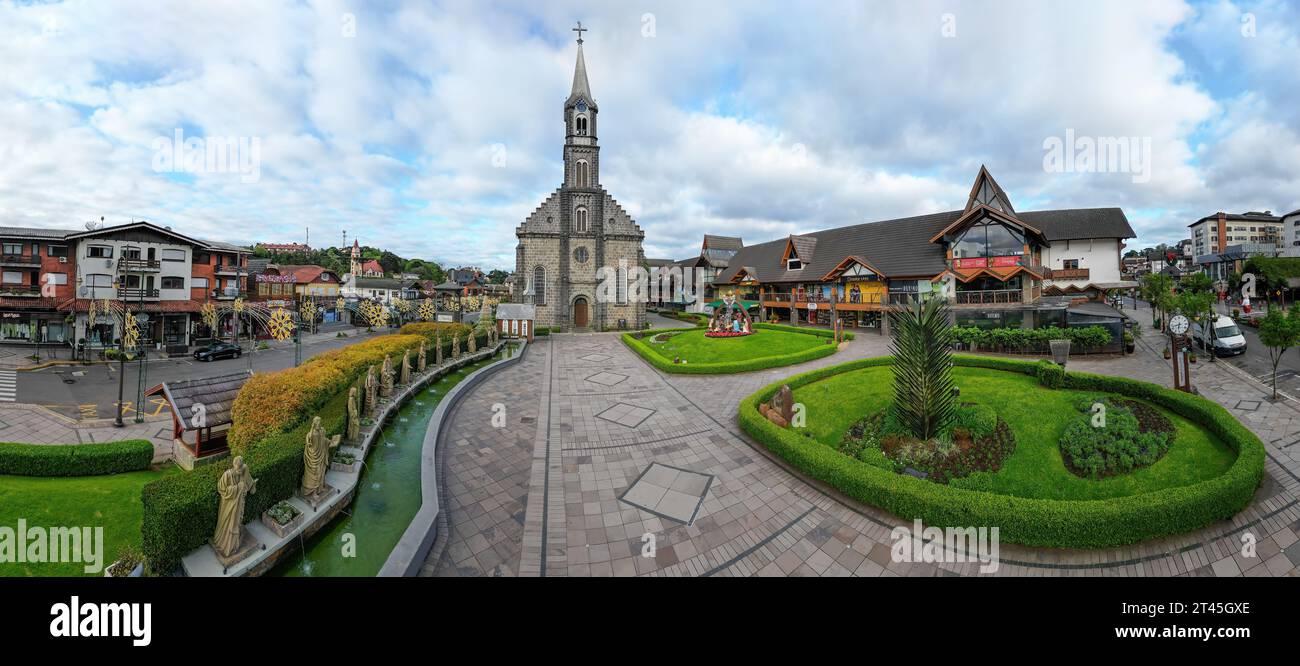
(578, 231)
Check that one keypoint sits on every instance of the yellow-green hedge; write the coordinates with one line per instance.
(1028, 521)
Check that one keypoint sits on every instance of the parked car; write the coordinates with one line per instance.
(1228, 338)
(218, 350)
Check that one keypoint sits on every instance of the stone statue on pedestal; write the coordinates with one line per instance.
(234, 486)
(455, 345)
(472, 342)
(420, 362)
(405, 377)
(372, 386)
(437, 350)
(386, 377)
(354, 416)
(316, 460)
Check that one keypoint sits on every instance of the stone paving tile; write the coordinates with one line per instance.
(559, 492)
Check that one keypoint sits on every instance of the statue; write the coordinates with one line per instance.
(371, 387)
(406, 367)
(437, 349)
(354, 416)
(386, 377)
(455, 346)
(472, 342)
(420, 362)
(235, 484)
(316, 460)
(782, 406)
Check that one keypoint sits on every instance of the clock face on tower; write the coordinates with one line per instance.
(582, 106)
(1178, 325)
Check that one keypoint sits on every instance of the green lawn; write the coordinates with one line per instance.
(111, 502)
(693, 347)
(1037, 415)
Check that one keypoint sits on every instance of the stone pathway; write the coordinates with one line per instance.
(601, 454)
(33, 424)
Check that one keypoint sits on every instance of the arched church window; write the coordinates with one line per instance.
(539, 286)
(582, 173)
(580, 220)
(581, 124)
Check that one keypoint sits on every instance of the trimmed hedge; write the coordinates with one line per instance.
(129, 455)
(180, 511)
(635, 342)
(1028, 521)
(1033, 340)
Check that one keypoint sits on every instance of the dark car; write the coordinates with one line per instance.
(218, 350)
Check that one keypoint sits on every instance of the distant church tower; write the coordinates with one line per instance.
(578, 230)
(356, 259)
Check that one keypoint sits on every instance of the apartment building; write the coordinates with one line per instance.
(50, 277)
(1215, 233)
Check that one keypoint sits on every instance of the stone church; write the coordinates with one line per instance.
(578, 230)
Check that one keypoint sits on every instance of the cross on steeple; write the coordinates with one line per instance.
(580, 30)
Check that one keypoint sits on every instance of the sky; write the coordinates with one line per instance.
(432, 129)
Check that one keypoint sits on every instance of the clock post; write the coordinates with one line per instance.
(1180, 346)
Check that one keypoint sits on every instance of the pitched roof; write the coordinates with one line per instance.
(216, 394)
(516, 311)
(723, 242)
(378, 283)
(902, 247)
(581, 88)
(371, 265)
(303, 273)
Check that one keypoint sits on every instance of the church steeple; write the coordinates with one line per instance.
(580, 147)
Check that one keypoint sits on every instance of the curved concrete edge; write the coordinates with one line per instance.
(411, 550)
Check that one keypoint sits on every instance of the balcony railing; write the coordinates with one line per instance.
(990, 297)
(1008, 261)
(232, 294)
(20, 291)
(1070, 274)
(20, 260)
(136, 294)
(228, 269)
(126, 265)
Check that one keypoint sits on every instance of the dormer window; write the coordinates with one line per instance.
(793, 264)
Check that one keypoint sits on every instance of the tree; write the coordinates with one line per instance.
(1157, 289)
(497, 276)
(1279, 331)
(923, 390)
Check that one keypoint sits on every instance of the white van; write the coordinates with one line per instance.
(1227, 338)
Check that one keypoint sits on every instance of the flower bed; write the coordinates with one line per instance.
(1025, 520)
(804, 345)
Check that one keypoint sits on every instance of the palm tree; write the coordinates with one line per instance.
(924, 399)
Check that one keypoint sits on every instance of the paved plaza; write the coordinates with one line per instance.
(587, 467)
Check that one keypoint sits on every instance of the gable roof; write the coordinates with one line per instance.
(216, 394)
(712, 242)
(516, 311)
(902, 248)
(371, 265)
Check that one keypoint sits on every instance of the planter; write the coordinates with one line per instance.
(349, 468)
(282, 530)
(137, 572)
(1168, 354)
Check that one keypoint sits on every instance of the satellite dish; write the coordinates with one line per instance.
(90, 226)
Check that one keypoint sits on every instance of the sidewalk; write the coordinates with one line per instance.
(19, 357)
(33, 424)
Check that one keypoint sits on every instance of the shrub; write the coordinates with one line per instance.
(634, 340)
(1050, 374)
(430, 329)
(75, 459)
(1030, 521)
(1124, 443)
(1082, 338)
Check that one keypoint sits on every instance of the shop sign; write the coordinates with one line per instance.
(281, 279)
(11, 315)
(812, 306)
(1006, 262)
(972, 262)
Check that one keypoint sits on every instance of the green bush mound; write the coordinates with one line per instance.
(1032, 521)
(1122, 436)
(180, 512)
(976, 441)
(801, 350)
(130, 455)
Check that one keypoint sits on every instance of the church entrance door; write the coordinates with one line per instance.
(580, 312)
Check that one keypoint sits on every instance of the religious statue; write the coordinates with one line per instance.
(354, 416)
(386, 377)
(455, 345)
(371, 387)
(782, 406)
(472, 342)
(316, 459)
(406, 367)
(235, 484)
(420, 362)
(437, 350)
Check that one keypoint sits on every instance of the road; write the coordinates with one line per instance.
(90, 391)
